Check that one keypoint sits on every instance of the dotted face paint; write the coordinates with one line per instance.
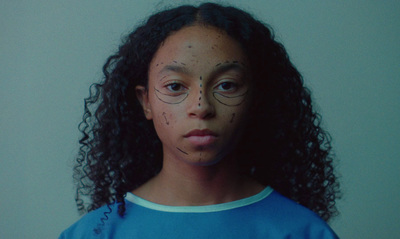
(231, 90)
(169, 97)
(201, 89)
(172, 91)
(199, 83)
(230, 100)
(228, 90)
(233, 117)
(180, 150)
(165, 117)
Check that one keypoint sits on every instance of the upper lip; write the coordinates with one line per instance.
(200, 132)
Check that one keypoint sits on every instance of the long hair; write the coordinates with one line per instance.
(283, 145)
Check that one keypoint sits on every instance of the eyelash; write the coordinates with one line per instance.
(233, 86)
(170, 86)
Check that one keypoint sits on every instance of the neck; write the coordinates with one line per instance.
(191, 185)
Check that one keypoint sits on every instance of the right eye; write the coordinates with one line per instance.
(172, 91)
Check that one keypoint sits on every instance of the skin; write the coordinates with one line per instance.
(198, 79)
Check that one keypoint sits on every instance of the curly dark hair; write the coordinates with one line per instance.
(283, 146)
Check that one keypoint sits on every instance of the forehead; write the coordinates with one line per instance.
(201, 45)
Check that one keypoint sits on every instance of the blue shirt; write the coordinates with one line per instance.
(264, 215)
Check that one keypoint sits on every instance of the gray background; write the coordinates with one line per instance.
(51, 51)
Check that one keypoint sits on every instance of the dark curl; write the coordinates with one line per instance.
(283, 145)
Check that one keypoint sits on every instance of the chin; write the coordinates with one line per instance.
(206, 160)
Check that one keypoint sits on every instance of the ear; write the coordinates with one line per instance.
(142, 95)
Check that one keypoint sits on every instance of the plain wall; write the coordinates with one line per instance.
(51, 51)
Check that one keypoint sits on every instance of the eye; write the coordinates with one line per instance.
(227, 86)
(174, 87)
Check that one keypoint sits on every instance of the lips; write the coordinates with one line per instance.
(200, 132)
(201, 137)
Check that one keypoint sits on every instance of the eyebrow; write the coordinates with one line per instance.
(218, 69)
(224, 67)
(175, 68)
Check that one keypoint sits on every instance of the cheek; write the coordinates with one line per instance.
(164, 124)
(237, 111)
(232, 118)
(165, 117)
(235, 121)
(234, 114)
(162, 112)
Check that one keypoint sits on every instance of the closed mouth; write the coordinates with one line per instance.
(200, 133)
(201, 137)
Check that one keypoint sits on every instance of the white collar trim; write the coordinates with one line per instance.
(200, 209)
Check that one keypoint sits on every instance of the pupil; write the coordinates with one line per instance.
(226, 85)
(175, 86)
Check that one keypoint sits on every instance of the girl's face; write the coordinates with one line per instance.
(198, 94)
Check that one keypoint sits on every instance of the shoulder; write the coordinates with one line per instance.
(91, 224)
(292, 219)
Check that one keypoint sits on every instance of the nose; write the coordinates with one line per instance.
(200, 105)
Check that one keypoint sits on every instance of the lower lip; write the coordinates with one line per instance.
(202, 140)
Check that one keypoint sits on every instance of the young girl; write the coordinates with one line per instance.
(202, 128)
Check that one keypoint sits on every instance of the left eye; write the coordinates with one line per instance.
(227, 86)
(174, 87)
